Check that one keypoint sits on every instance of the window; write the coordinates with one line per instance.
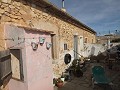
(92, 40)
(65, 46)
(85, 40)
(17, 64)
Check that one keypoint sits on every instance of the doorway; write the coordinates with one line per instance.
(75, 47)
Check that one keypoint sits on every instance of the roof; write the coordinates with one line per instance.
(61, 14)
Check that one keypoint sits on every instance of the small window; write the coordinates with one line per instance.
(65, 46)
(92, 40)
(85, 40)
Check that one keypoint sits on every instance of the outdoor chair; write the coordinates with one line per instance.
(99, 77)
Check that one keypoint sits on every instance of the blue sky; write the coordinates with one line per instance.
(101, 15)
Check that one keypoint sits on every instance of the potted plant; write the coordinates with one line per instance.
(59, 83)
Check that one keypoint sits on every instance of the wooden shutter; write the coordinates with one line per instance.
(5, 66)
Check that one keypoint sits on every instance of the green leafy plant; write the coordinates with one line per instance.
(59, 83)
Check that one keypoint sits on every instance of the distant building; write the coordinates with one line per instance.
(108, 40)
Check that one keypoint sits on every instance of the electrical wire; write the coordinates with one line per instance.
(19, 38)
(29, 44)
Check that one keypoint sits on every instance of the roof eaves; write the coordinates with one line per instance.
(58, 12)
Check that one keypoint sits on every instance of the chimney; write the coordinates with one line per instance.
(63, 6)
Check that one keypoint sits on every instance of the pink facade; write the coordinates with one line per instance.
(37, 64)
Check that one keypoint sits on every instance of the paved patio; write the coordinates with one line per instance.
(84, 83)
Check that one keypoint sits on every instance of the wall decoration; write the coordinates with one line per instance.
(34, 45)
(48, 45)
(41, 40)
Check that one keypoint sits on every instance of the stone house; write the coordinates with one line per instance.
(68, 34)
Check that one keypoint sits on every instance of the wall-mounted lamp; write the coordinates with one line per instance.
(48, 45)
(34, 45)
(41, 40)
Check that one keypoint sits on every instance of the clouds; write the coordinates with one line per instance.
(98, 14)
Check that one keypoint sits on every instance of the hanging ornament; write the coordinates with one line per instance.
(34, 45)
(48, 45)
(41, 40)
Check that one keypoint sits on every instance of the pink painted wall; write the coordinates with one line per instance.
(17, 85)
(39, 62)
(12, 32)
(37, 65)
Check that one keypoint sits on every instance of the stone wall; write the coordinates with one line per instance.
(26, 14)
(89, 36)
(22, 13)
(2, 41)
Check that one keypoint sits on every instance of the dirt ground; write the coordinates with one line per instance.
(85, 82)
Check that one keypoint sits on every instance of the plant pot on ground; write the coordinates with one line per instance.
(59, 83)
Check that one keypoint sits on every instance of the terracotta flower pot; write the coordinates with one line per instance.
(59, 84)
